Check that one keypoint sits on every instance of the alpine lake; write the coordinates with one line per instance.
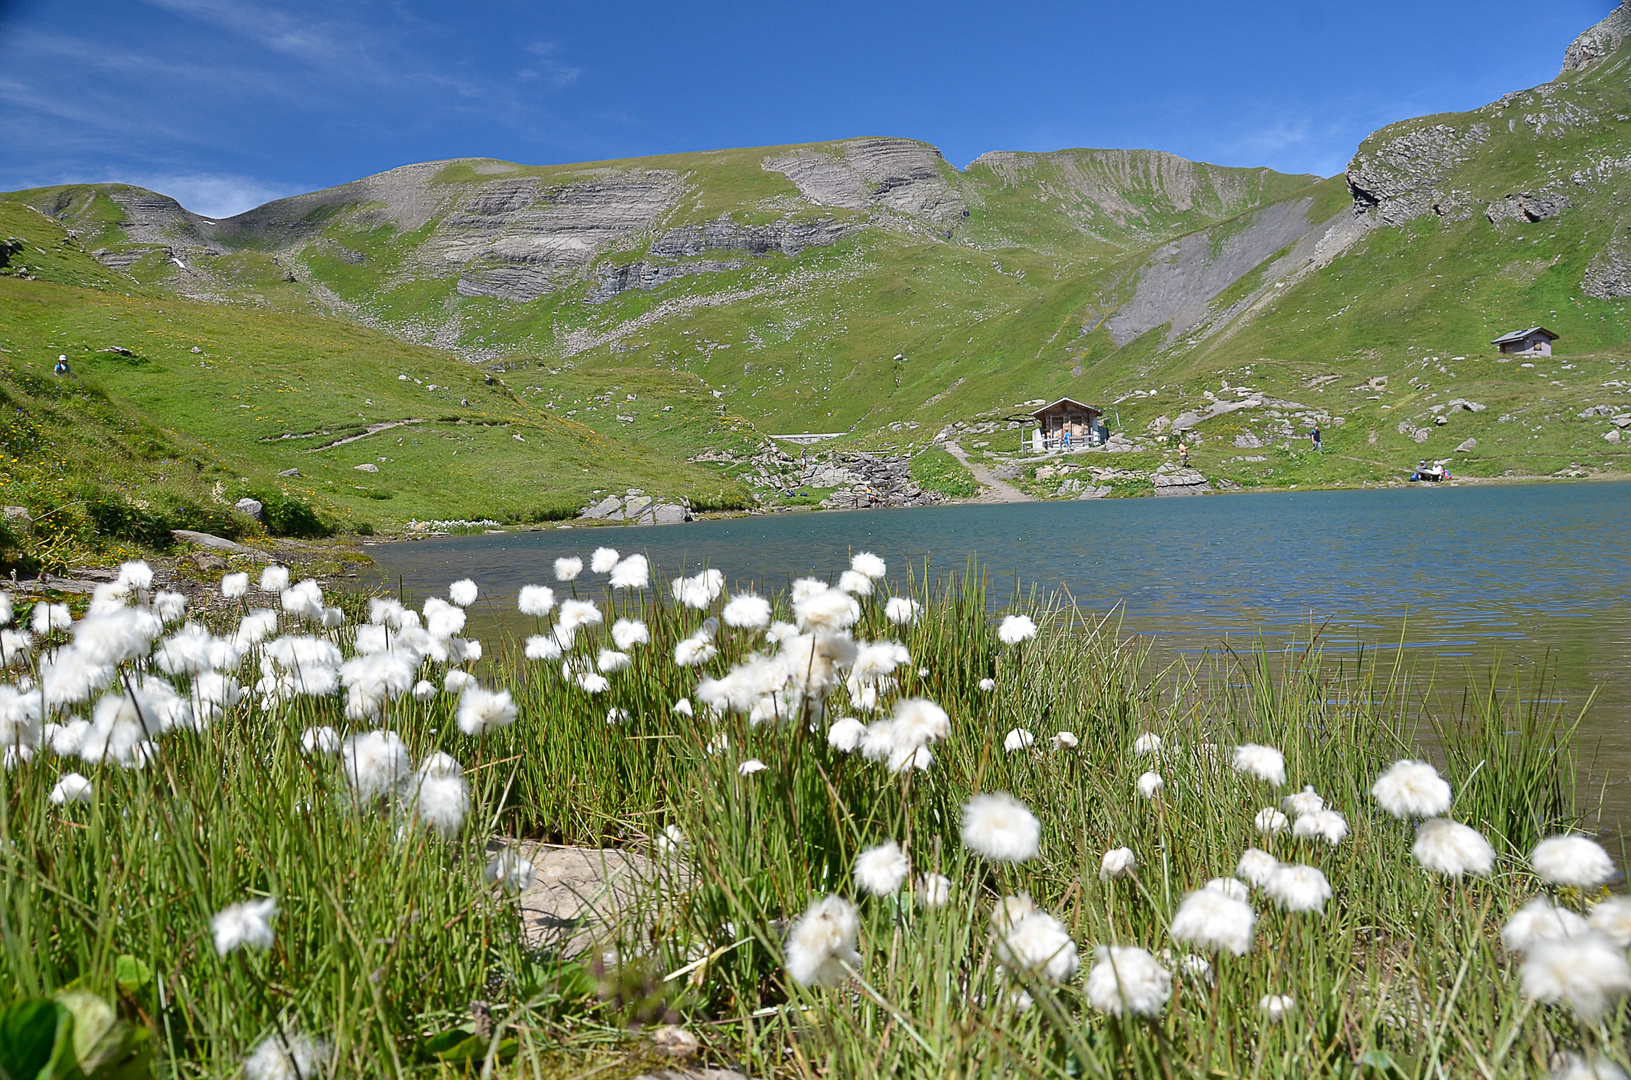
(1528, 583)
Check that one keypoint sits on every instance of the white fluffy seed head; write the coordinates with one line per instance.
(71, 788)
(1040, 945)
(287, 1057)
(854, 583)
(602, 561)
(823, 942)
(1412, 789)
(543, 647)
(1001, 828)
(933, 890)
(511, 870)
(902, 611)
(1017, 739)
(881, 870)
(1452, 849)
(1016, 629)
(1150, 784)
(1213, 919)
(633, 572)
(1612, 919)
(1276, 1007)
(1065, 740)
(1306, 801)
(462, 592)
(568, 568)
(1263, 763)
(535, 600)
(1588, 972)
(868, 564)
(274, 579)
(245, 925)
(376, 764)
(1270, 821)
(1572, 860)
(1539, 921)
(1298, 888)
(1117, 862)
(746, 611)
(1147, 744)
(1327, 825)
(483, 711)
(1128, 979)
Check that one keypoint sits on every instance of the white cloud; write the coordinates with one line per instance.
(214, 195)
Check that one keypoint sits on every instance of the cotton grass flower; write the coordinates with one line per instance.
(881, 870)
(682, 707)
(1040, 945)
(699, 590)
(751, 766)
(694, 651)
(1263, 763)
(484, 711)
(71, 788)
(1298, 888)
(1270, 821)
(376, 764)
(746, 611)
(629, 633)
(846, 734)
(441, 796)
(49, 617)
(1539, 921)
(1001, 828)
(1588, 972)
(1575, 1067)
(1233, 888)
(987, 685)
(287, 1057)
(854, 583)
(1412, 789)
(933, 890)
(828, 611)
(671, 841)
(633, 572)
(1150, 784)
(1117, 862)
(610, 660)
(1306, 801)
(902, 611)
(568, 568)
(319, 740)
(535, 600)
(603, 560)
(1327, 825)
(1572, 860)
(511, 869)
(823, 943)
(869, 565)
(456, 680)
(918, 722)
(542, 647)
(1065, 740)
(1612, 919)
(1017, 739)
(1276, 1007)
(1128, 979)
(1016, 629)
(462, 592)
(245, 925)
(591, 682)
(1213, 919)
(1452, 849)
(1147, 744)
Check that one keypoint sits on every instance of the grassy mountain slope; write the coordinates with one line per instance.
(175, 401)
(867, 287)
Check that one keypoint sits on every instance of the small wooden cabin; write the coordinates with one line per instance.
(1535, 341)
(1068, 423)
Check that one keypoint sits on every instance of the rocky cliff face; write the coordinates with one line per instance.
(909, 177)
(1599, 41)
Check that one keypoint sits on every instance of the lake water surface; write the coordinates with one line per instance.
(1532, 574)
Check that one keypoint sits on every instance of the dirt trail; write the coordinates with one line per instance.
(995, 491)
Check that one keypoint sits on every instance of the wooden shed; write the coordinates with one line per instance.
(1068, 423)
(1535, 341)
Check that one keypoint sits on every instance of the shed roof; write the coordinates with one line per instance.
(1519, 335)
(1068, 404)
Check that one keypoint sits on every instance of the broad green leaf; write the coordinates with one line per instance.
(31, 1032)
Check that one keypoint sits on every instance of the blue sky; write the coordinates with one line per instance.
(227, 103)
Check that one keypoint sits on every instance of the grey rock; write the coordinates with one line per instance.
(1608, 275)
(897, 174)
(1463, 403)
(1100, 492)
(605, 509)
(195, 350)
(1248, 441)
(669, 514)
(1613, 436)
(1180, 482)
(367, 466)
(1598, 41)
(692, 1074)
(1467, 447)
(19, 517)
(1595, 410)
(1527, 207)
(1403, 177)
(252, 507)
(635, 505)
(290, 472)
(209, 540)
(205, 561)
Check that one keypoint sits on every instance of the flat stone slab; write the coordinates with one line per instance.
(202, 539)
(578, 895)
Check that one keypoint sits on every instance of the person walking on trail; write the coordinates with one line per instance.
(1315, 435)
(1183, 453)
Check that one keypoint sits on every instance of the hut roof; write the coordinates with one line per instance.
(1519, 335)
(1068, 405)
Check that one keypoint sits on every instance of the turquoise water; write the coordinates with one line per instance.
(1534, 574)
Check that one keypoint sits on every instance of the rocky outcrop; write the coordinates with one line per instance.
(1608, 275)
(867, 480)
(1402, 177)
(1527, 207)
(636, 508)
(787, 237)
(1177, 481)
(861, 174)
(1598, 41)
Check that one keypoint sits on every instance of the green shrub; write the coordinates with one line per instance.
(288, 515)
(708, 502)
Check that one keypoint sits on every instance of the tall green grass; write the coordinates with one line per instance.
(385, 935)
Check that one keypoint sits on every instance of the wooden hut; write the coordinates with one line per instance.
(1067, 423)
(1535, 341)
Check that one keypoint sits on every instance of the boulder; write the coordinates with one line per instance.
(205, 561)
(18, 517)
(290, 472)
(669, 514)
(1100, 492)
(1613, 436)
(367, 466)
(607, 509)
(1248, 441)
(249, 506)
(1180, 482)
(207, 540)
(1467, 447)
